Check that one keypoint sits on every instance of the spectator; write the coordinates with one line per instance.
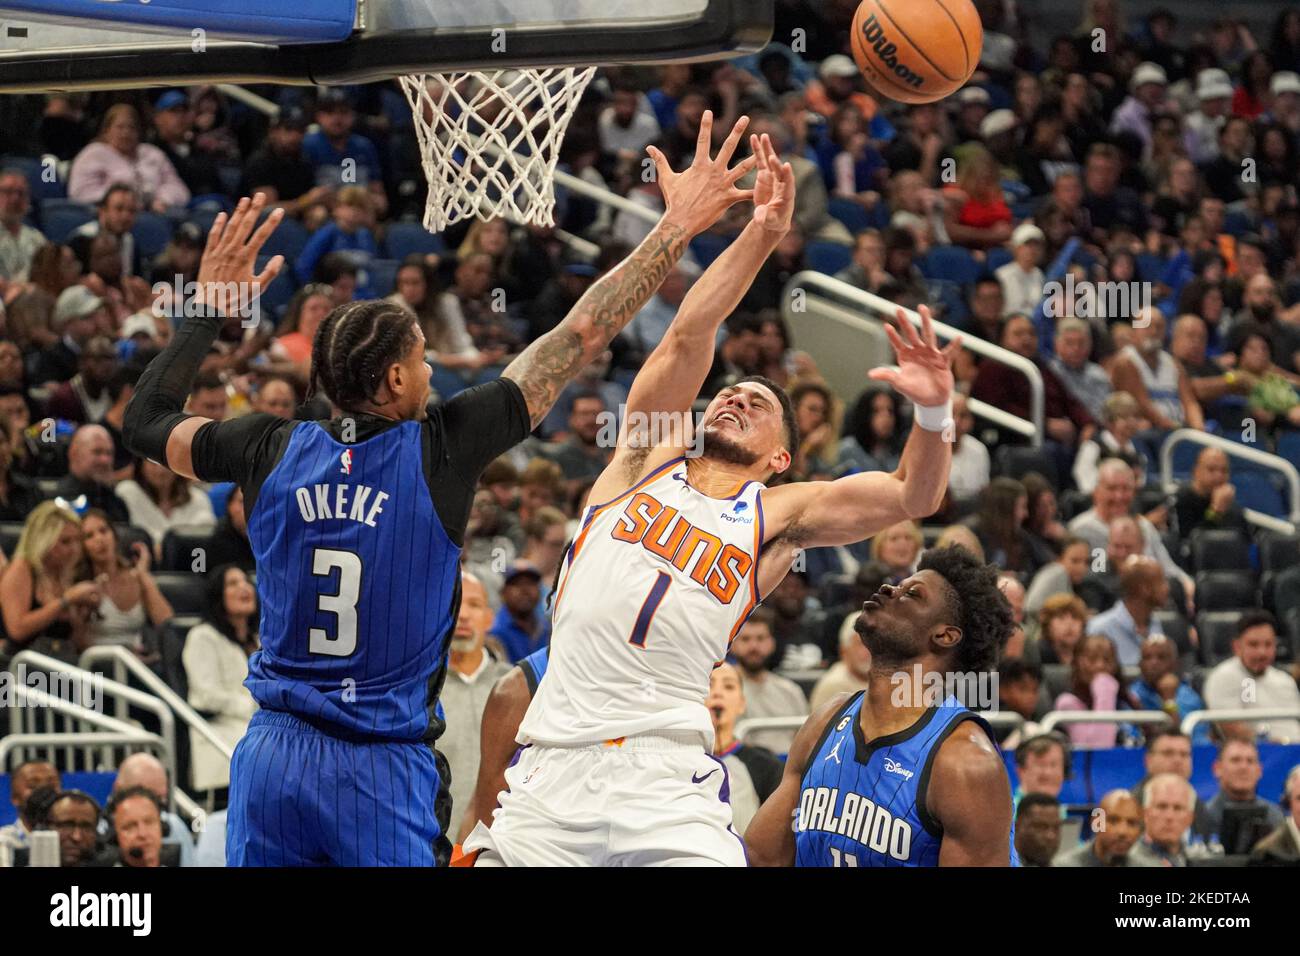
(28, 777)
(1273, 400)
(1018, 693)
(1107, 203)
(1085, 380)
(281, 171)
(1094, 685)
(42, 609)
(348, 233)
(1146, 101)
(118, 156)
(1282, 846)
(444, 330)
(589, 447)
(1168, 809)
(898, 548)
(1201, 127)
(873, 436)
(987, 305)
(216, 669)
(1041, 765)
(275, 396)
(18, 496)
(209, 398)
(766, 693)
(811, 214)
(1161, 687)
(521, 624)
(625, 130)
(1113, 498)
(76, 816)
(867, 269)
(296, 332)
(851, 166)
(1113, 844)
(340, 155)
(136, 816)
(123, 292)
(1210, 381)
(1144, 589)
(545, 540)
(19, 242)
(1045, 530)
(818, 413)
(1062, 576)
(471, 673)
(78, 316)
(143, 770)
(229, 542)
(1152, 376)
(975, 214)
(1120, 422)
(1038, 829)
(173, 133)
(1238, 770)
(847, 675)
(1248, 680)
(85, 398)
(1021, 278)
(1208, 500)
(561, 293)
(129, 596)
(29, 316)
(1062, 620)
(969, 473)
(158, 500)
(753, 771)
(90, 473)
(1000, 525)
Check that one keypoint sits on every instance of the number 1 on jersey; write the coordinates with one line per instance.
(647, 613)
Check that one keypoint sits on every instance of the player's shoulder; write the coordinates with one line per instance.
(967, 756)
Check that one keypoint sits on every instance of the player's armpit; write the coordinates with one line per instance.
(502, 715)
(813, 514)
(769, 839)
(970, 795)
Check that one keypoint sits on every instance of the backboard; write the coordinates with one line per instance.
(100, 44)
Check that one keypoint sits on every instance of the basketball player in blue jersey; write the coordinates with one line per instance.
(883, 778)
(357, 526)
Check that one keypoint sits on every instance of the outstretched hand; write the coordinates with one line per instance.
(226, 279)
(773, 187)
(697, 197)
(924, 373)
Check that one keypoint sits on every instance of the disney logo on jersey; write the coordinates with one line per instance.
(735, 515)
(346, 460)
(893, 766)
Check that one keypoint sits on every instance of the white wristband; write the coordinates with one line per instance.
(933, 418)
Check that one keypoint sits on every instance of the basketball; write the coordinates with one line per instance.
(916, 51)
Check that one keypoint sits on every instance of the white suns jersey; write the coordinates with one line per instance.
(653, 589)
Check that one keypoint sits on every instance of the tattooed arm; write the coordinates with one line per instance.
(699, 197)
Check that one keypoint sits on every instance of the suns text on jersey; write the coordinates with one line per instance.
(340, 502)
(859, 820)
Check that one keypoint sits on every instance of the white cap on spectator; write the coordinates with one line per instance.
(1148, 73)
(1027, 232)
(73, 303)
(997, 122)
(972, 95)
(837, 64)
(1285, 82)
(139, 323)
(1213, 84)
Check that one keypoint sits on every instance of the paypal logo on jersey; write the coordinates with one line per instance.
(735, 515)
(346, 459)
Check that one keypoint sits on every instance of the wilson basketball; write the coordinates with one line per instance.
(916, 51)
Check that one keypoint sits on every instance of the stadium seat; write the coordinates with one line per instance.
(288, 240)
(947, 301)
(954, 263)
(10, 532)
(1073, 503)
(275, 297)
(1288, 638)
(1259, 491)
(152, 232)
(383, 275)
(854, 215)
(129, 535)
(1226, 590)
(42, 187)
(1177, 629)
(1016, 461)
(59, 217)
(1216, 629)
(706, 247)
(178, 547)
(1286, 591)
(408, 238)
(1220, 549)
(1277, 552)
(827, 257)
(1288, 445)
(203, 218)
(997, 257)
(185, 591)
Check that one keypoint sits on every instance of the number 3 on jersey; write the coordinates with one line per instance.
(647, 613)
(343, 604)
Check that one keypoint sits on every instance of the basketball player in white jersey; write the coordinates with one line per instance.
(673, 553)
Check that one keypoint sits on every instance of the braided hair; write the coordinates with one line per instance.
(353, 348)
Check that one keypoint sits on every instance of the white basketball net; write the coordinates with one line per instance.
(490, 140)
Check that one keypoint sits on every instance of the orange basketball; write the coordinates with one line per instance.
(916, 51)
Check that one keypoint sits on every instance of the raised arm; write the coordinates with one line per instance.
(819, 513)
(154, 425)
(696, 200)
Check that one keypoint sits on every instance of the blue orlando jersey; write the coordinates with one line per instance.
(863, 804)
(358, 583)
(534, 667)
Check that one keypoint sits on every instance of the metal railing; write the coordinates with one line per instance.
(995, 718)
(1251, 715)
(26, 720)
(88, 741)
(836, 289)
(1236, 449)
(1103, 717)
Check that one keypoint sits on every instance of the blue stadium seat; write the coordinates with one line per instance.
(276, 296)
(288, 240)
(59, 217)
(953, 263)
(1258, 490)
(203, 218)
(998, 257)
(827, 257)
(1288, 446)
(152, 232)
(854, 215)
(947, 299)
(706, 247)
(383, 275)
(406, 238)
(35, 171)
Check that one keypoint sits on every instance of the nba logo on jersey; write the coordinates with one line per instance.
(346, 459)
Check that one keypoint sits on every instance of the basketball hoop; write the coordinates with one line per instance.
(490, 140)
